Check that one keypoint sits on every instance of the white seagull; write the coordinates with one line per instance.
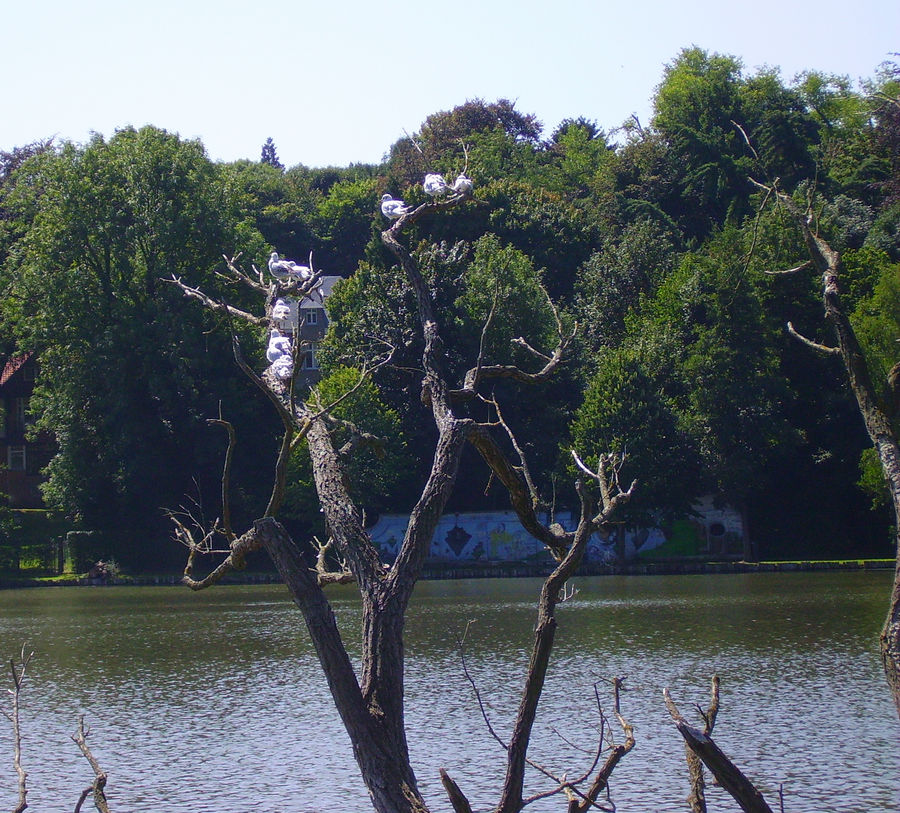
(393, 208)
(280, 356)
(278, 346)
(434, 185)
(281, 312)
(284, 269)
(462, 184)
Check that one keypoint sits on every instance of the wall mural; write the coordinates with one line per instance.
(496, 536)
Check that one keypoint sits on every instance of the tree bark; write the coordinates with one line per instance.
(875, 416)
(727, 774)
(371, 704)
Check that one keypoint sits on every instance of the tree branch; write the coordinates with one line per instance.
(819, 348)
(98, 786)
(216, 306)
(726, 773)
(480, 373)
(616, 754)
(17, 671)
(554, 537)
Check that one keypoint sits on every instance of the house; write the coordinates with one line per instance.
(312, 318)
(21, 456)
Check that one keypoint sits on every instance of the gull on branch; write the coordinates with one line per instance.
(462, 184)
(282, 268)
(393, 208)
(434, 185)
(280, 355)
(281, 313)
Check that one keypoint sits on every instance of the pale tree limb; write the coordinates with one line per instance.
(804, 266)
(819, 348)
(216, 306)
(323, 574)
(17, 669)
(606, 476)
(722, 768)
(697, 797)
(97, 787)
(875, 413)
(255, 282)
(235, 559)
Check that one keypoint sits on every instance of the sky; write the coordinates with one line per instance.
(336, 82)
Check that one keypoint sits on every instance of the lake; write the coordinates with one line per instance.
(214, 703)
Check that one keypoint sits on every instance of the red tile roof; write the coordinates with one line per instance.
(12, 366)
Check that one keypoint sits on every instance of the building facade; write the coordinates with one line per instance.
(22, 454)
(309, 321)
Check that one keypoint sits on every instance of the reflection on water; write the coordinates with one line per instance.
(214, 703)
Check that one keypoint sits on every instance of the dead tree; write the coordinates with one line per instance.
(18, 669)
(371, 703)
(877, 413)
(702, 748)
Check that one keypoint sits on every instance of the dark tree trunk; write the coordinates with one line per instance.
(371, 703)
(875, 414)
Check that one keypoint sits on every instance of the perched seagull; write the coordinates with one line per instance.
(435, 185)
(284, 269)
(280, 356)
(393, 208)
(278, 346)
(462, 184)
(283, 368)
(281, 312)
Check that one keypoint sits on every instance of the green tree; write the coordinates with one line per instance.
(125, 366)
(270, 156)
(625, 413)
(614, 280)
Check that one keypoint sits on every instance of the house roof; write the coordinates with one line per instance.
(326, 283)
(13, 365)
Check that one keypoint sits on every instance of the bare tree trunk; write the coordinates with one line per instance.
(371, 704)
(875, 415)
(727, 774)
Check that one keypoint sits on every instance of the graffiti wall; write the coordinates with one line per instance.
(496, 536)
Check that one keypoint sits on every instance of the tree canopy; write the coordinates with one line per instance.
(654, 240)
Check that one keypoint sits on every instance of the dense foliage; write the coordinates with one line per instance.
(655, 240)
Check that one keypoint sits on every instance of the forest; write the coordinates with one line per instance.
(659, 247)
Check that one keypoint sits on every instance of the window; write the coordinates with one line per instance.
(310, 362)
(17, 414)
(312, 316)
(15, 458)
(28, 372)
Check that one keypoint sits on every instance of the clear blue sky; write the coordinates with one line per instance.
(336, 82)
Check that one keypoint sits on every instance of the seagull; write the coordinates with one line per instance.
(435, 185)
(284, 269)
(393, 208)
(280, 356)
(279, 346)
(281, 312)
(283, 368)
(462, 184)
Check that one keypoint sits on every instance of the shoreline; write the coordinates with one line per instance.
(496, 570)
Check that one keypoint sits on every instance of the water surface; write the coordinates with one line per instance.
(214, 702)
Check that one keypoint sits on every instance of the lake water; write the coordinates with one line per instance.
(214, 702)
